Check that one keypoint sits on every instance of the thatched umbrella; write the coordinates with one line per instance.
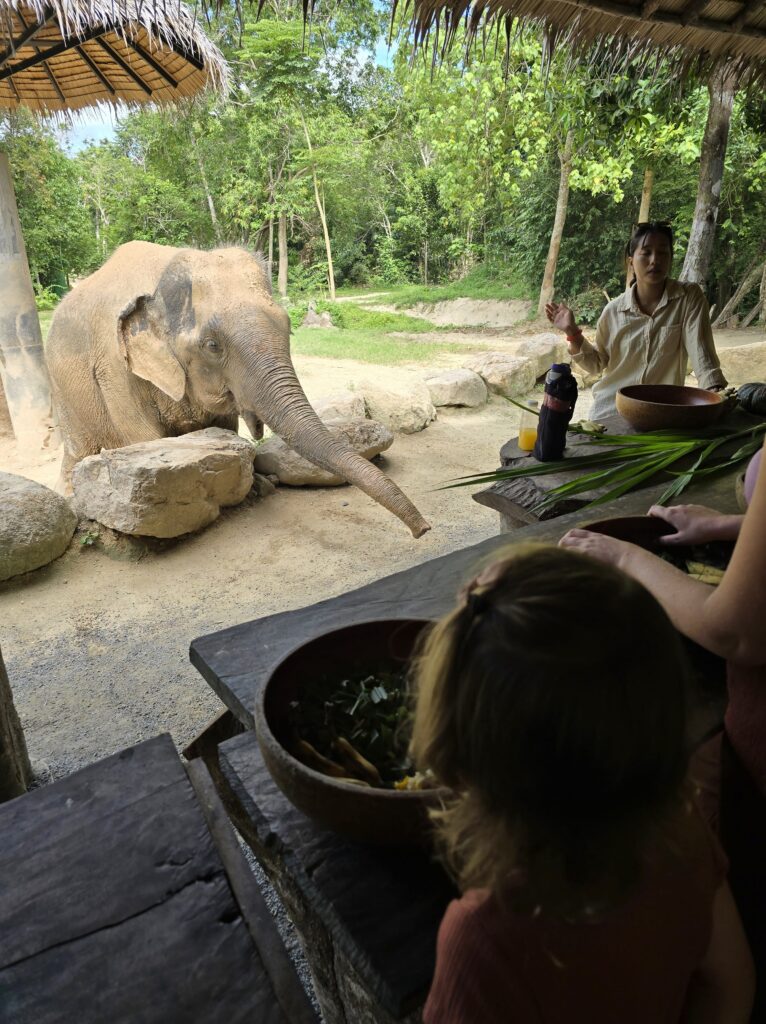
(722, 40)
(704, 32)
(60, 55)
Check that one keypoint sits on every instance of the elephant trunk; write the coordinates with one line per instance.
(278, 399)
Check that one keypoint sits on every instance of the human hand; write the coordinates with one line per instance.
(696, 524)
(561, 316)
(597, 545)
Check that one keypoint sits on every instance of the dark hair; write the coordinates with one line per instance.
(641, 230)
(552, 702)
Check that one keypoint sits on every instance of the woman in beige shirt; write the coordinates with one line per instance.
(650, 333)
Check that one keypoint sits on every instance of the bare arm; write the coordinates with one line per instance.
(722, 988)
(728, 619)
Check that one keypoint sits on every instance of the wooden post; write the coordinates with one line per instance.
(15, 770)
(22, 362)
(643, 213)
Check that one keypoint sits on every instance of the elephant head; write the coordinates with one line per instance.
(212, 339)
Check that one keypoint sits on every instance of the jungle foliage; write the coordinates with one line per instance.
(392, 175)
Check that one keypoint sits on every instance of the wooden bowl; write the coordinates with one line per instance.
(645, 531)
(381, 816)
(668, 407)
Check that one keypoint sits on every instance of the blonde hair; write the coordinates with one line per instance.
(551, 701)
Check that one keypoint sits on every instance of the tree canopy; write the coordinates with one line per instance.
(344, 171)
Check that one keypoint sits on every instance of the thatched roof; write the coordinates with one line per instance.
(68, 54)
(688, 31)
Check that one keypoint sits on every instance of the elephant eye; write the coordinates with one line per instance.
(212, 345)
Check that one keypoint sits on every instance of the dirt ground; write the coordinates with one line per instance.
(97, 647)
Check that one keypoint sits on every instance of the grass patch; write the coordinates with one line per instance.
(479, 284)
(365, 346)
(45, 323)
(349, 316)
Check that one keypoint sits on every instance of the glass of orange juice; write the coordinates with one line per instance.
(528, 427)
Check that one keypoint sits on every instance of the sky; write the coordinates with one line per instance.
(99, 124)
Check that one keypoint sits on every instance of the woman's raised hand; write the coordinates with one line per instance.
(696, 524)
(561, 316)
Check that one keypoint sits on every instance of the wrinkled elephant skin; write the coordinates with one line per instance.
(162, 341)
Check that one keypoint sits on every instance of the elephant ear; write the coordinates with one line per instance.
(146, 351)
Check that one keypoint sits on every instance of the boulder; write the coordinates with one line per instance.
(314, 319)
(404, 412)
(744, 363)
(456, 387)
(366, 437)
(341, 405)
(504, 374)
(543, 350)
(36, 525)
(167, 487)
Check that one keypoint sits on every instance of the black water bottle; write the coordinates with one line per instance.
(556, 412)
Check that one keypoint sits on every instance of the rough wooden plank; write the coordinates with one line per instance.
(15, 770)
(271, 950)
(382, 906)
(98, 865)
(115, 904)
(237, 661)
(190, 958)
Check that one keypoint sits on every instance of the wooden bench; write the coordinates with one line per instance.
(125, 897)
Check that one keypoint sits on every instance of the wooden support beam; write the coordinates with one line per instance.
(649, 7)
(154, 64)
(54, 83)
(692, 10)
(748, 8)
(124, 65)
(95, 69)
(52, 51)
(30, 31)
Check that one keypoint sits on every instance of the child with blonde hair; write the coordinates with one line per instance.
(592, 889)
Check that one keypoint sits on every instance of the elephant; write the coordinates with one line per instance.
(161, 341)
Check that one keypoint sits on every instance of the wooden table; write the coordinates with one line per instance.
(516, 499)
(333, 888)
(125, 897)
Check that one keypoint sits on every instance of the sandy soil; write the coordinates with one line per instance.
(97, 648)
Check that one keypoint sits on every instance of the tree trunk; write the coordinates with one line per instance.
(15, 770)
(282, 272)
(763, 295)
(646, 203)
(23, 370)
(271, 247)
(321, 209)
(721, 87)
(731, 306)
(549, 277)
(208, 194)
(751, 315)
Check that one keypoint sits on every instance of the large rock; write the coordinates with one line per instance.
(745, 363)
(341, 405)
(36, 525)
(366, 437)
(168, 487)
(404, 412)
(503, 374)
(543, 350)
(456, 387)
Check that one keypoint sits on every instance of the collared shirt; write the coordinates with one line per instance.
(631, 347)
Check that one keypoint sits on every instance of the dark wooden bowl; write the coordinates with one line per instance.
(645, 531)
(668, 407)
(381, 816)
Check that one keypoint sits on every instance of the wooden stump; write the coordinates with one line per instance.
(15, 770)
